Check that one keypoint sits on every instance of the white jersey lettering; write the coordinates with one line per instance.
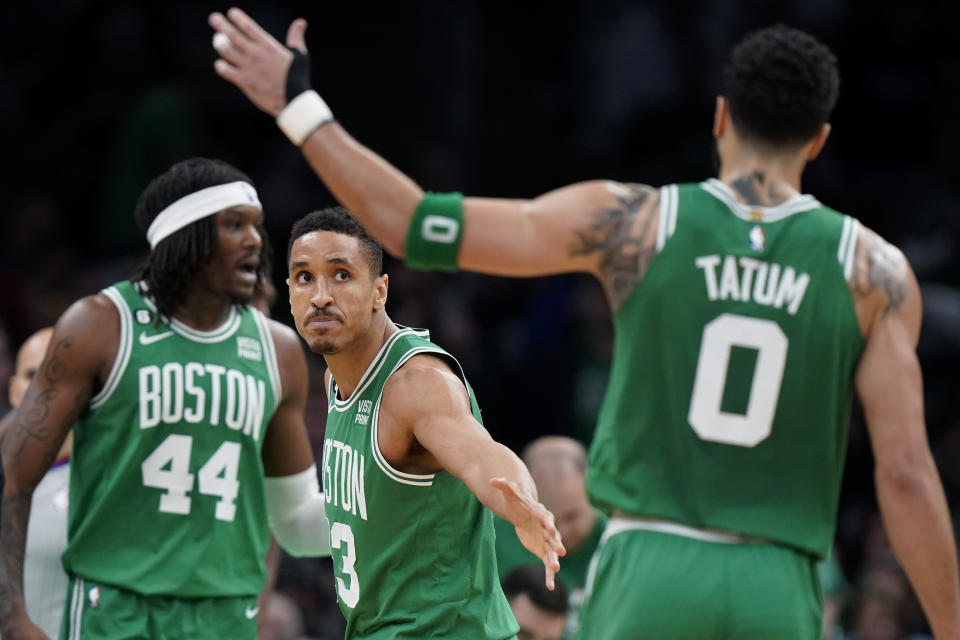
(343, 478)
(177, 393)
(748, 279)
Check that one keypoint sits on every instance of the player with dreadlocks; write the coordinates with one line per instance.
(187, 409)
(168, 269)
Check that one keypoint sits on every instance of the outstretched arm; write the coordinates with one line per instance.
(599, 227)
(426, 400)
(890, 386)
(84, 340)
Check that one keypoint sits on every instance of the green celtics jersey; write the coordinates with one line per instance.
(413, 554)
(729, 394)
(166, 482)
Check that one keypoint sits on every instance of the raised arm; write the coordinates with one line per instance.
(81, 350)
(425, 401)
(600, 227)
(295, 505)
(890, 385)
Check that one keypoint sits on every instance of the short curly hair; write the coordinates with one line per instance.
(781, 85)
(339, 220)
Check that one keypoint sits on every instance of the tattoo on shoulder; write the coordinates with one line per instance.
(623, 239)
(31, 422)
(879, 268)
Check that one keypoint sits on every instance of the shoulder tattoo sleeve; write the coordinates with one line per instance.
(879, 270)
(623, 239)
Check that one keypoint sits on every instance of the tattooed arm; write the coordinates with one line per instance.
(600, 227)
(5, 424)
(890, 385)
(81, 349)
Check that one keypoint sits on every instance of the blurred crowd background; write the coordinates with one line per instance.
(487, 98)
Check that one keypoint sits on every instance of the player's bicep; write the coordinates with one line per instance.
(457, 442)
(890, 386)
(888, 379)
(435, 404)
(575, 228)
(286, 445)
(81, 344)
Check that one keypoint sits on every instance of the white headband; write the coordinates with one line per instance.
(200, 204)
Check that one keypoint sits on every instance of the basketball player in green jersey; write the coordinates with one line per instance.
(182, 399)
(746, 316)
(407, 465)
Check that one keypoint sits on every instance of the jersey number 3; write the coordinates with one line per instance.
(168, 467)
(341, 535)
(726, 331)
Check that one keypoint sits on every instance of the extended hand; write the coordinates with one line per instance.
(253, 60)
(535, 526)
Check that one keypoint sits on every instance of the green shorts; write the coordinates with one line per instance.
(646, 584)
(96, 611)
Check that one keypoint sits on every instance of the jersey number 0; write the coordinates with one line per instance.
(719, 337)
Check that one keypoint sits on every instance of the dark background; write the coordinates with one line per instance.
(488, 98)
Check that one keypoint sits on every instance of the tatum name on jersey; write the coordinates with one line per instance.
(714, 346)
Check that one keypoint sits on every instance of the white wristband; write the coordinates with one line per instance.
(303, 115)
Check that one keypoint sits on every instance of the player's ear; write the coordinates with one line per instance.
(819, 141)
(720, 117)
(380, 286)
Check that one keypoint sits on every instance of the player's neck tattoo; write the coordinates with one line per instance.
(757, 190)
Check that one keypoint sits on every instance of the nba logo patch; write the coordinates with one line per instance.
(93, 595)
(142, 316)
(758, 239)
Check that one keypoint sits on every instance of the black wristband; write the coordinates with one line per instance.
(298, 76)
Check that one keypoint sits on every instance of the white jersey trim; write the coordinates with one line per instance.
(849, 250)
(619, 525)
(372, 370)
(413, 479)
(667, 225)
(221, 333)
(724, 194)
(270, 354)
(124, 349)
(844, 237)
(76, 609)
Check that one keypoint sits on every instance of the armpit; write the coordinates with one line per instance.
(622, 238)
